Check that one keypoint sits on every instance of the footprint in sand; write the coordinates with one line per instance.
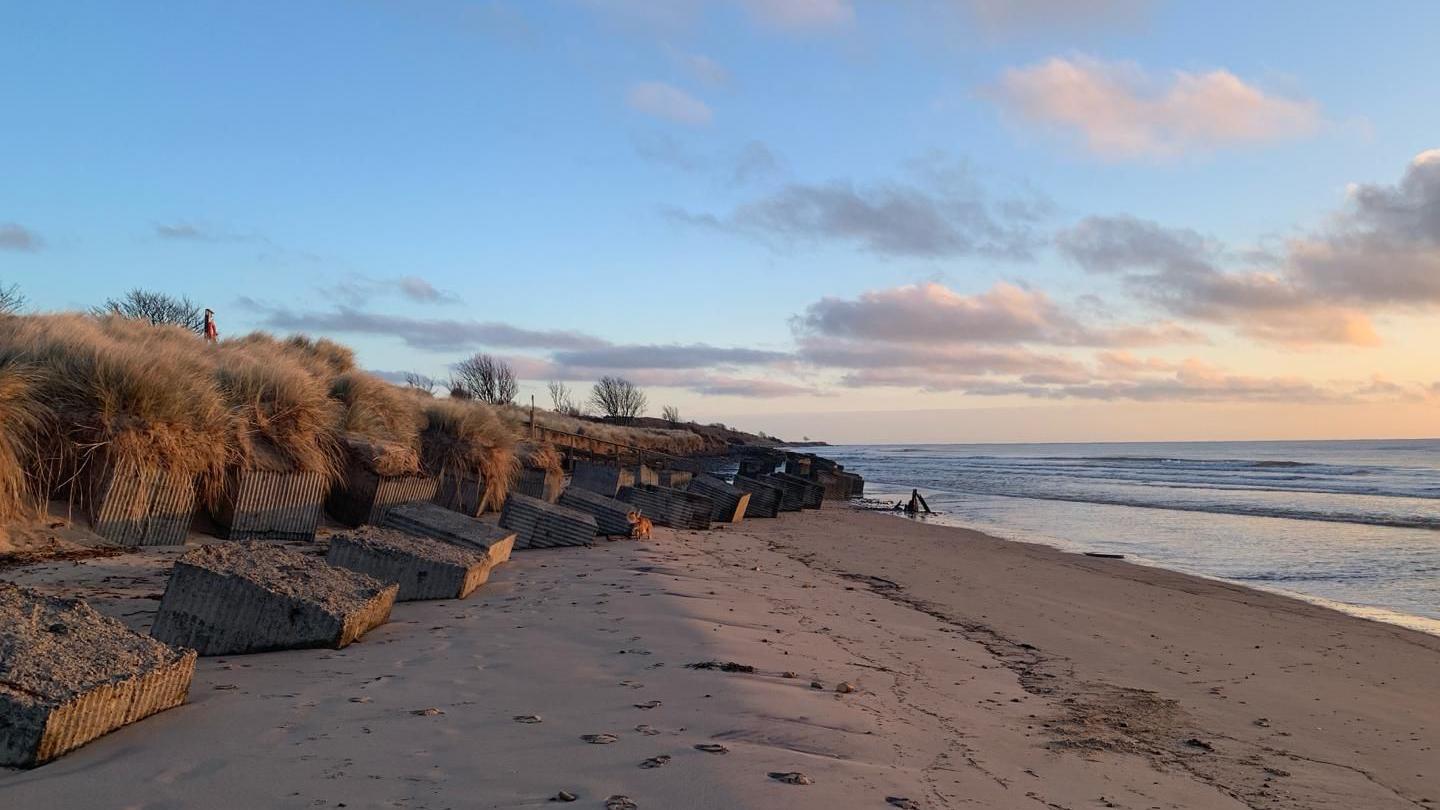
(599, 739)
(712, 748)
(648, 731)
(656, 762)
(791, 778)
(527, 718)
(620, 803)
(902, 803)
(649, 704)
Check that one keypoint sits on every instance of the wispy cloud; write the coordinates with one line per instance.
(801, 15)
(1119, 111)
(1030, 16)
(430, 334)
(941, 213)
(14, 236)
(665, 101)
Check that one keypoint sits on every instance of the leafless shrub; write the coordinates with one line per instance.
(670, 414)
(617, 397)
(562, 400)
(486, 378)
(11, 299)
(420, 382)
(157, 308)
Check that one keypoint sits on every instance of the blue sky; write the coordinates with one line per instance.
(705, 177)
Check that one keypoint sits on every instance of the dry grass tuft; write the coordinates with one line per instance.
(464, 437)
(286, 419)
(380, 422)
(20, 416)
(674, 442)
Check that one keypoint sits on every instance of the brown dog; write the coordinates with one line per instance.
(640, 525)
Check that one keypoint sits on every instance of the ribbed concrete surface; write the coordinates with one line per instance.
(611, 515)
(542, 484)
(424, 568)
(144, 506)
(363, 497)
(439, 523)
(69, 675)
(674, 479)
(813, 495)
(792, 494)
(462, 493)
(263, 505)
(539, 524)
(607, 479)
(730, 501)
(671, 507)
(765, 498)
(251, 597)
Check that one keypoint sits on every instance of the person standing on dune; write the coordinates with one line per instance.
(211, 334)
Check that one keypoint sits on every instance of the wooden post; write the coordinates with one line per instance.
(532, 417)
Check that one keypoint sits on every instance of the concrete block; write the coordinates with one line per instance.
(364, 497)
(607, 479)
(537, 483)
(436, 522)
(765, 498)
(249, 597)
(539, 524)
(792, 494)
(264, 505)
(141, 506)
(69, 675)
(671, 507)
(424, 568)
(611, 514)
(730, 501)
(812, 493)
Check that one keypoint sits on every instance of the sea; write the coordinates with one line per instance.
(1354, 525)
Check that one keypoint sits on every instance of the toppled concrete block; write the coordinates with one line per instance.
(792, 495)
(250, 597)
(539, 524)
(539, 483)
(69, 675)
(674, 479)
(439, 523)
(424, 568)
(765, 498)
(812, 494)
(611, 515)
(671, 507)
(607, 479)
(730, 501)
(265, 505)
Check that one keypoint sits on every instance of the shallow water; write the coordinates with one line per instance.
(1355, 524)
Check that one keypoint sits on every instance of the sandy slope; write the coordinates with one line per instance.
(986, 674)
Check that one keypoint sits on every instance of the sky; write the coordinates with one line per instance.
(850, 220)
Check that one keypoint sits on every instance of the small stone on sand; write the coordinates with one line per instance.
(845, 687)
(564, 796)
(430, 712)
(902, 803)
(816, 685)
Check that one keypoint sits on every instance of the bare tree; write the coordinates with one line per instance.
(618, 397)
(11, 299)
(420, 382)
(670, 414)
(562, 399)
(156, 307)
(486, 378)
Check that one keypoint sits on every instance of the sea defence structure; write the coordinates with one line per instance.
(367, 490)
(539, 524)
(671, 507)
(69, 675)
(437, 522)
(792, 492)
(266, 505)
(607, 479)
(252, 597)
(765, 498)
(812, 493)
(612, 516)
(730, 501)
(423, 568)
(140, 505)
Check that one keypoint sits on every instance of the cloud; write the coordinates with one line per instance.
(940, 215)
(755, 161)
(672, 356)
(668, 102)
(182, 230)
(1379, 253)
(1118, 111)
(931, 313)
(357, 290)
(14, 236)
(801, 15)
(701, 67)
(429, 334)
(752, 163)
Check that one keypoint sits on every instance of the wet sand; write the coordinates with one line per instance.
(981, 673)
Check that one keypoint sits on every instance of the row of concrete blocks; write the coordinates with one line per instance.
(69, 675)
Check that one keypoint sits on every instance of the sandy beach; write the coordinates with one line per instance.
(976, 672)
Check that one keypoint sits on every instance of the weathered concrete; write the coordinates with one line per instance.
(671, 507)
(263, 505)
(792, 494)
(424, 568)
(611, 514)
(674, 479)
(765, 498)
(362, 496)
(69, 675)
(249, 597)
(537, 483)
(812, 494)
(607, 479)
(439, 523)
(141, 506)
(730, 501)
(544, 525)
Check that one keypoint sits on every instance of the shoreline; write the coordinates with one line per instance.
(1409, 621)
(985, 672)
